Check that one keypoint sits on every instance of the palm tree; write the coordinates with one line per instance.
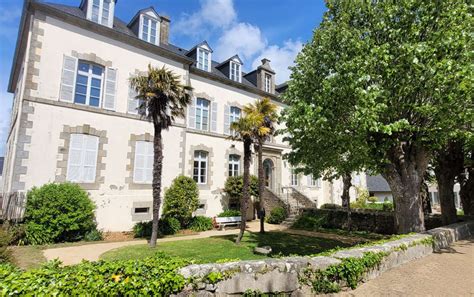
(162, 99)
(264, 112)
(243, 131)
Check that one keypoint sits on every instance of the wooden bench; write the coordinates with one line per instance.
(228, 221)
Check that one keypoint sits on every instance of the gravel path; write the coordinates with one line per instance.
(449, 273)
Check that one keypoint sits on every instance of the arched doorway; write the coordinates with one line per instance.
(268, 171)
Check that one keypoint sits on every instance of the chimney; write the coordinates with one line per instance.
(266, 77)
(164, 30)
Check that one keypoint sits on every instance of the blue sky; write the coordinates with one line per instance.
(251, 28)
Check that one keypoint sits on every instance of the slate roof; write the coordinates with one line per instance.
(377, 184)
(122, 27)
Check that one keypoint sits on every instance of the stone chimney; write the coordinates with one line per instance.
(164, 30)
(266, 77)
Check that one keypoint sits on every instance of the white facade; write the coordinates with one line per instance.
(44, 116)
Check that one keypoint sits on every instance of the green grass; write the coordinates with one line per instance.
(208, 250)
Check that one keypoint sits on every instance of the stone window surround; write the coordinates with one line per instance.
(233, 151)
(64, 153)
(211, 100)
(138, 217)
(202, 211)
(210, 164)
(131, 161)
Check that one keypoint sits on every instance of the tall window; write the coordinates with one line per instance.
(234, 114)
(101, 11)
(314, 182)
(143, 165)
(89, 84)
(234, 165)
(294, 178)
(202, 114)
(82, 160)
(200, 167)
(203, 59)
(149, 30)
(235, 73)
(268, 83)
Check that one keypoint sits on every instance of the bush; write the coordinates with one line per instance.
(58, 213)
(388, 206)
(5, 239)
(234, 184)
(181, 200)
(372, 199)
(310, 223)
(201, 223)
(94, 235)
(229, 213)
(277, 215)
(166, 226)
(155, 276)
(331, 206)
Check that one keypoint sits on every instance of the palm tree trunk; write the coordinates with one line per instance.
(261, 185)
(346, 203)
(245, 189)
(157, 171)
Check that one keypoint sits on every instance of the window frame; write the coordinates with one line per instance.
(101, 20)
(315, 182)
(234, 165)
(89, 76)
(146, 166)
(82, 166)
(203, 56)
(147, 22)
(268, 83)
(199, 113)
(233, 116)
(294, 179)
(200, 158)
(235, 71)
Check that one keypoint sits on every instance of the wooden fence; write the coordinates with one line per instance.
(13, 206)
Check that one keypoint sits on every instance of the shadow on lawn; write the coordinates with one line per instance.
(284, 244)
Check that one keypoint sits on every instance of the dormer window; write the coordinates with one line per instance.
(268, 83)
(203, 59)
(149, 30)
(101, 12)
(235, 73)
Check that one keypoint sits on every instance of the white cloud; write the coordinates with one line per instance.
(5, 110)
(213, 14)
(281, 58)
(243, 39)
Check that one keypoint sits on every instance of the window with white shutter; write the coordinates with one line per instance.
(192, 114)
(110, 88)
(82, 160)
(68, 79)
(214, 117)
(202, 114)
(143, 165)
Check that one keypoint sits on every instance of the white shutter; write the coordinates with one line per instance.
(143, 167)
(110, 88)
(74, 163)
(192, 114)
(227, 119)
(132, 101)
(214, 116)
(91, 146)
(310, 180)
(68, 79)
(149, 162)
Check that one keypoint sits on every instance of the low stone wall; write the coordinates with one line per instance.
(284, 275)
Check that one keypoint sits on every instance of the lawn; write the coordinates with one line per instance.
(207, 250)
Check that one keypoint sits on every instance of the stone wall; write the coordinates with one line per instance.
(284, 275)
(272, 201)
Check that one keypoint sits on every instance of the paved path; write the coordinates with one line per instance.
(75, 254)
(450, 273)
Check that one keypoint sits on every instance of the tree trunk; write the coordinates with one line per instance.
(404, 174)
(425, 198)
(449, 165)
(466, 180)
(261, 185)
(245, 189)
(157, 171)
(346, 198)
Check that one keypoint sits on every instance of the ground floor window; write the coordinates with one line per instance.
(82, 160)
(294, 178)
(234, 165)
(200, 167)
(143, 165)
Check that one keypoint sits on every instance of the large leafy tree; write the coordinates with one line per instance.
(162, 99)
(264, 113)
(397, 77)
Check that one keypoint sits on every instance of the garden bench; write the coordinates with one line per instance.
(228, 221)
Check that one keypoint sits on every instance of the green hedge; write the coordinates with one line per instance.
(166, 226)
(277, 215)
(331, 206)
(229, 213)
(201, 223)
(58, 213)
(155, 276)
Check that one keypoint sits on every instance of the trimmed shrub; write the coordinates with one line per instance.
(277, 215)
(58, 213)
(229, 213)
(201, 223)
(166, 226)
(94, 235)
(310, 223)
(156, 276)
(5, 239)
(142, 229)
(181, 200)
(387, 206)
(234, 184)
(331, 206)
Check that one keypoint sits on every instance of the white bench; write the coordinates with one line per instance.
(228, 221)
